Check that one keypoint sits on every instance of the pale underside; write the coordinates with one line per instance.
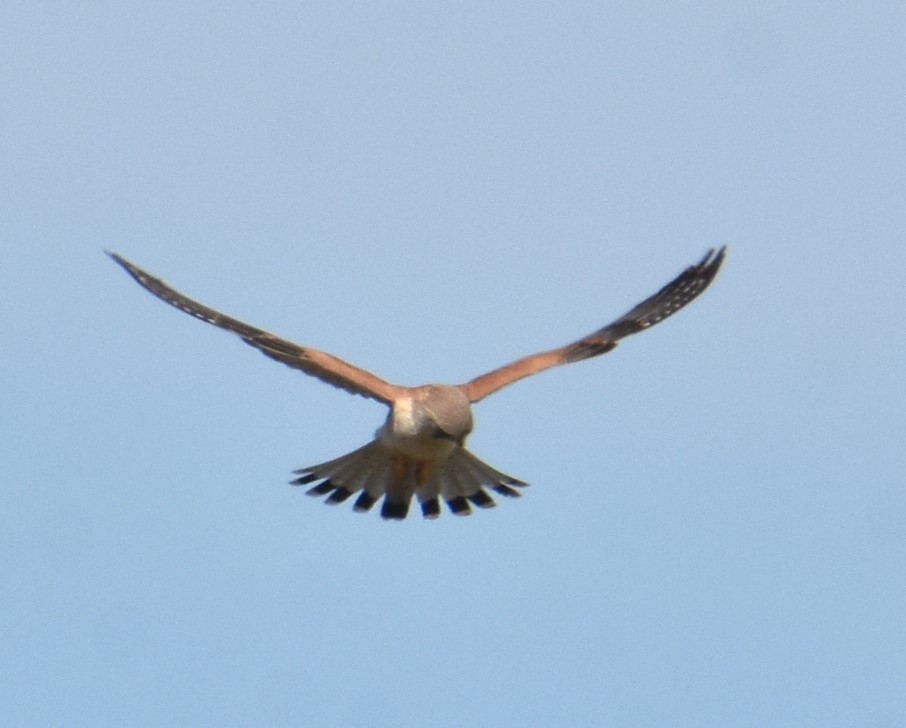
(419, 451)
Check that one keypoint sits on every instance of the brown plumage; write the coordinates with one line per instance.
(420, 449)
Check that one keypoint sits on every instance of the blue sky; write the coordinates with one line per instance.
(714, 534)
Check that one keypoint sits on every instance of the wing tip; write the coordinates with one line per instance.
(713, 259)
(118, 259)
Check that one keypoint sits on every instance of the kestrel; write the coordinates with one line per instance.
(420, 449)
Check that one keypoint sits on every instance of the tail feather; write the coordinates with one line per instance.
(481, 499)
(373, 472)
(338, 496)
(365, 502)
(395, 510)
(321, 488)
(459, 506)
(430, 507)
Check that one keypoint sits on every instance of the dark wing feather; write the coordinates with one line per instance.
(654, 309)
(318, 364)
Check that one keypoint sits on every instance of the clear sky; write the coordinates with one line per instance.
(715, 534)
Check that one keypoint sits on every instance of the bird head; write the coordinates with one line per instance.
(449, 411)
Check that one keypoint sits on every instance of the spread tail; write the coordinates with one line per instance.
(374, 471)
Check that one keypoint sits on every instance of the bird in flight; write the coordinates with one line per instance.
(420, 449)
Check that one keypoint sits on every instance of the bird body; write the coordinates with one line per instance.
(420, 451)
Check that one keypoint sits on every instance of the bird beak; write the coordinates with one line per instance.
(440, 434)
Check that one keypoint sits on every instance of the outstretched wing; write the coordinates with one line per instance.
(319, 364)
(667, 301)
